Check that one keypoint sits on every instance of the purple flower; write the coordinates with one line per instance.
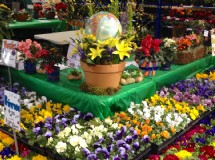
(47, 125)
(124, 155)
(98, 150)
(121, 149)
(117, 158)
(74, 121)
(135, 135)
(97, 145)
(136, 145)
(86, 151)
(145, 139)
(118, 134)
(105, 152)
(49, 120)
(128, 139)
(92, 157)
(110, 147)
(36, 130)
(120, 143)
(57, 129)
(48, 134)
(123, 129)
(127, 146)
(88, 116)
(201, 140)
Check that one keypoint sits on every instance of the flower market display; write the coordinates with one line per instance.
(70, 133)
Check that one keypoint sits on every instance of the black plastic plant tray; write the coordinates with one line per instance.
(143, 155)
(156, 149)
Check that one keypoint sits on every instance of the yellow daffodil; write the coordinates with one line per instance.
(122, 50)
(95, 52)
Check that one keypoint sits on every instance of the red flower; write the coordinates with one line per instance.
(171, 157)
(177, 147)
(146, 45)
(154, 157)
(203, 157)
(189, 149)
(156, 45)
(207, 149)
(49, 69)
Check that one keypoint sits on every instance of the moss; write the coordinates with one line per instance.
(98, 91)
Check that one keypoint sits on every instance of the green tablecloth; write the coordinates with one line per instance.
(68, 92)
(56, 24)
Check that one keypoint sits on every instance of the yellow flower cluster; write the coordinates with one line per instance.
(39, 113)
(169, 104)
(15, 158)
(210, 76)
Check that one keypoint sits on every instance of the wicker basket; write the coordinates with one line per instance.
(21, 17)
(185, 57)
(178, 31)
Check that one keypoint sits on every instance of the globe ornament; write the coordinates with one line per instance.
(103, 25)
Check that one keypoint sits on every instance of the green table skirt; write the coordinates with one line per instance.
(68, 92)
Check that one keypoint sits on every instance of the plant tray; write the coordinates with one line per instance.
(156, 149)
(144, 154)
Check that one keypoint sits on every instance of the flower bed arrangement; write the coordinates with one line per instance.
(71, 134)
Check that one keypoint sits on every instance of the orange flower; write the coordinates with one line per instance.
(165, 134)
(173, 129)
(146, 128)
(153, 136)
(122, 115)
(147, 121)
(160, 124)
(143, 134)
(138, 131)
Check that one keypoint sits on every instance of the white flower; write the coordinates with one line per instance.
(157, 118)
(26, 101)
(140, 112)
(67, 131)
(146, 115)
(60, 147)
(49, 141)
(108, 121)
(145, 105)
(29, 105)
(74, 130)
(74, 140)
(83, 143)
(130, 110)
(44, 99)
(115, 125)
(79, 126)
(77, 149)
(87, 136)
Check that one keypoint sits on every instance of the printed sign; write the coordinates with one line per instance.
(213, 43)
(12, 109)
(8, 53)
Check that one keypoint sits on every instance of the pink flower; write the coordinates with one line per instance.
(25, 153)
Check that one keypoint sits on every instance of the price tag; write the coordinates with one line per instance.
(12, 109)
(73, 60)
(213, 44)
(206, 33)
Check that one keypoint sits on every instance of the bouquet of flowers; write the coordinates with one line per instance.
(37, 7)
(60, 7)
(30, 50)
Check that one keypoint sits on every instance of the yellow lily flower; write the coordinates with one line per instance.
(122, 50)
(95, 52)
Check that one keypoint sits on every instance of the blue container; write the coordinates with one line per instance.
(55, 75)
(30, 68)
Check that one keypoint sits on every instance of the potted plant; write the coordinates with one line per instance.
(103, 61)
(49, 59)
(169, 50)
(21, 15)
(148, 55)
(49, 12)
(37, 7)
(30, 52)
(61, 9)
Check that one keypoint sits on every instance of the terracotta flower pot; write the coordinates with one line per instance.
(103, 76)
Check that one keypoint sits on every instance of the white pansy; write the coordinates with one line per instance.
(74, 140)
(61, 147)
(67, 131)
(115, 125)
(74, 130)
(108, 121)
(146, 115)
(130, 110)
(140, 112)
(132, 105)
(77, 150)
(44, 99)
(157, 118)
(145, 104)
(82, 143)
(29, 105)
(26, 101)
(79, 126)
(49, 141)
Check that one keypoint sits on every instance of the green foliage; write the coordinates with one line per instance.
(114, 8)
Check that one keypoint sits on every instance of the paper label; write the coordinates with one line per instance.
(73, 60)
(206, 33)
(12, 109)
(8, 52)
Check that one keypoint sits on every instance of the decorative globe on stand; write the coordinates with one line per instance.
(103, 25)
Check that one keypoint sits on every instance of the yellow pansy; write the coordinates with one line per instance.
(122, 50)
(39, 157)
(66, 108)
(15, 158)
(193, 116)
(201, 108)
(39, 119)
(95, 52)
(1, 146)
(182, 154)
(8, 141)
